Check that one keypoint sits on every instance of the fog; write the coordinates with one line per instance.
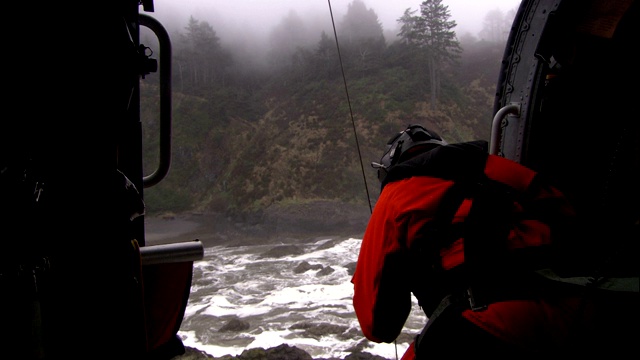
(259, 16)
(251, 30)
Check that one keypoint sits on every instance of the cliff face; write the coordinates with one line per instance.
(298, 142)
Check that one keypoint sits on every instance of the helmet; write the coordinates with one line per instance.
(400, 144)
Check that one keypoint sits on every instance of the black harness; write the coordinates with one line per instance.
(482, 278)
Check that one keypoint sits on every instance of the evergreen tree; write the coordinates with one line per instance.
(326, 56)
(432, 33)
(200, 60)
(360, 23)
(361, 37)
(495, 26)
(409, 30)
(285, 39)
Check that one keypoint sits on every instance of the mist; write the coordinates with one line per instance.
(252, 29)
(262, 15)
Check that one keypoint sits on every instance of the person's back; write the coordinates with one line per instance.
(471, 263)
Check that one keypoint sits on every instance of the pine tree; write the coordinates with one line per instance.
(361, 37)
(200, 59)
(432, 33)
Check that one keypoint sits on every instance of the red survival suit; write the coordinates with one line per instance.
(408, 249)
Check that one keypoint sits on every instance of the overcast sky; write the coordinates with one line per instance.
(263, 14)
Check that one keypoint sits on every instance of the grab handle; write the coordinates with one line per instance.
(165, 101)
(499, 122)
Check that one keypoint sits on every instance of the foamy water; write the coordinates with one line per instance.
(310, 310)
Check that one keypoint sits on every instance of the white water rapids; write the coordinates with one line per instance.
(280, 304)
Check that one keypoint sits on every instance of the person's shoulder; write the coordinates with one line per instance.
(412, 188)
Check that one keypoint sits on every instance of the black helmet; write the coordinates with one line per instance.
(399, 144)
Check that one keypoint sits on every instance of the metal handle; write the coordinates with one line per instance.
(496, 126)
(165, 100)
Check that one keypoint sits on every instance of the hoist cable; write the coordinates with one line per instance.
(353, 124)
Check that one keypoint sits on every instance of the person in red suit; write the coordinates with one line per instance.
(474, 270)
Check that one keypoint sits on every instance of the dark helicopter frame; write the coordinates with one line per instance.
(75, 272)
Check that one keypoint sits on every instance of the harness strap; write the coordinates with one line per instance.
(444, 304)
(449, 305)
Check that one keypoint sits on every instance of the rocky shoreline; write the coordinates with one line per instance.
(280, 352)
(298, 222)
(293, 223)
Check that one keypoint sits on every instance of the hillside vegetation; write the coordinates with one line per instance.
(246, 137)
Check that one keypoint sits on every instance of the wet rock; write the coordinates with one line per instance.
(281, 352)
(305, 266)
(283, 250)
(325, 271)
(235, 325)
(351, 268)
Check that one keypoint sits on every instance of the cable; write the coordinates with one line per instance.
(353, 124)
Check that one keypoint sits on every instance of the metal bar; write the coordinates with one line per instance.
(171, 253)
(165, 100)
(496, 126)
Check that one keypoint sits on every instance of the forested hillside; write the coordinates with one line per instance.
(249, 132)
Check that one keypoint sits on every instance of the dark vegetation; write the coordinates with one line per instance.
(249, 134)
